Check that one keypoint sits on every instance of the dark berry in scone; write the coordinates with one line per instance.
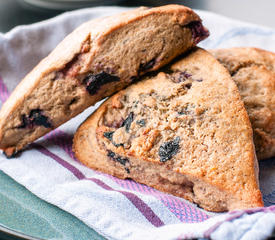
(184, 131)
(253, 70)
(99, 58)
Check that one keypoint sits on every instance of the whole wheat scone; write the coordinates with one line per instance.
(184, 131)
(253, 70)
(99, 58)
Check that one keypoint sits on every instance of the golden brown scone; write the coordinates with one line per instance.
(253, 70)
(99, 58)
(184, 131)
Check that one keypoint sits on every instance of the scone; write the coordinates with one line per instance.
(99, 58)
(253, 70)
(184, 131)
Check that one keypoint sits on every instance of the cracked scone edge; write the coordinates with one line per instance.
(81, 54)
(253, 70)
(213, 185)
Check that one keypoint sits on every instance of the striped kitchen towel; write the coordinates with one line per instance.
(122, 209)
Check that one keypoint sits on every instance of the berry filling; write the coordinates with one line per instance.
(141, 122)
(35, 118)
(128, 121)
(179, 77)
(109, 136)
(199, 32)
(168, 149)
(119, 159)
(95, 81)
(143, 67)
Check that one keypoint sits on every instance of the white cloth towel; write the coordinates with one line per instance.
(115, 208)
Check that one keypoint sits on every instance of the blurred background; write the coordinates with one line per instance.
(18, 12)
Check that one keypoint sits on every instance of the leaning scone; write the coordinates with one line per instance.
(253, 70)
(99, 58)
(184, 131)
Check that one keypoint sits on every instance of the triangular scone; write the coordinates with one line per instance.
(99, 58)
(184, 131)
(253, 70)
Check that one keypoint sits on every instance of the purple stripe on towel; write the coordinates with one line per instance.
(62, 162)
(184, 211)
(62, 140)
(136, 201)
(145, 210)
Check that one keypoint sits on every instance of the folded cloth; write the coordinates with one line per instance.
(122, 209)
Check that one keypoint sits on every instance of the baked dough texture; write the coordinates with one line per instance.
(99, 58)
(253, 70)
(184, 131)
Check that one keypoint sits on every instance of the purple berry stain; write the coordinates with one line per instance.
(119, 159)
(35, 118)
(143, 67)
(199, 32)
(141, 122)
(179, 77)
(109, 136)
(188, 85)
(128, 121)
(93, 82)
(168, 149)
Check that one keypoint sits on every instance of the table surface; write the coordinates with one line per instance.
(16, 12)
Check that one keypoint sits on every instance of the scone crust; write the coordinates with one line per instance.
(253, 70)
(234, 195)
